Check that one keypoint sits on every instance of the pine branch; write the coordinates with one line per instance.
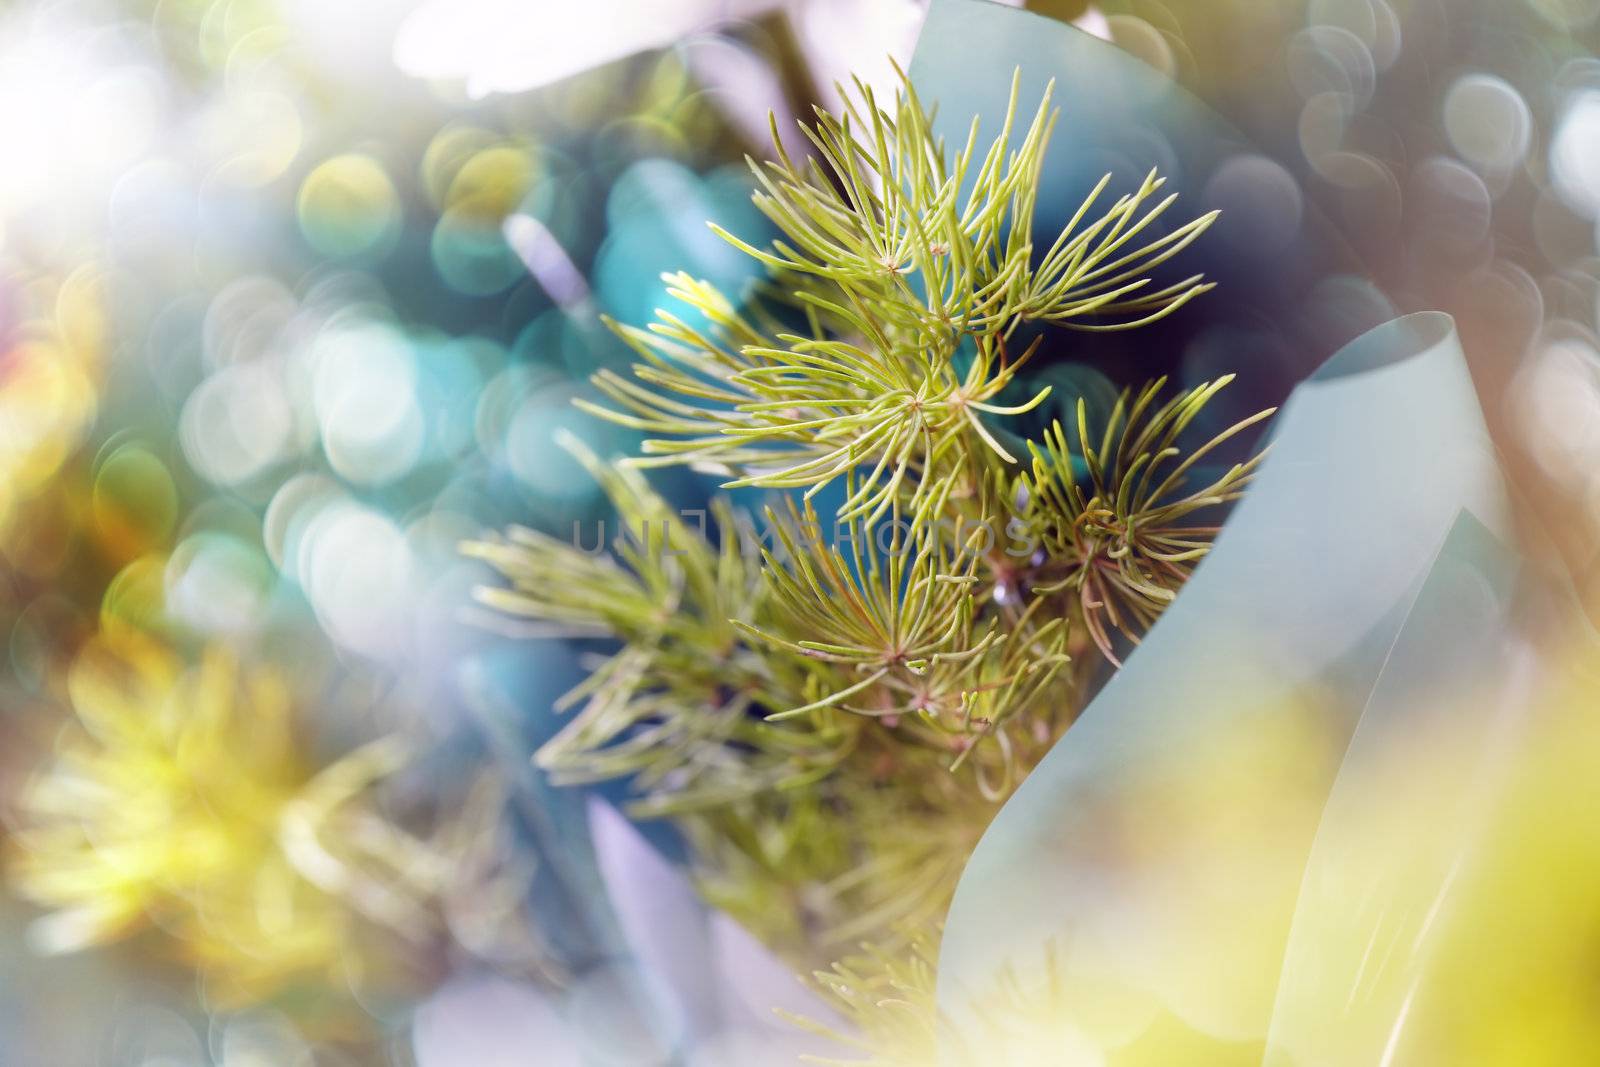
(1123, 536)
(833, 717)
(900, 255)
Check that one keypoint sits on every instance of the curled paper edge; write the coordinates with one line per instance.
(1285, 628)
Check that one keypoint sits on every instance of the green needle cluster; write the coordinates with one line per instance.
(833, 703)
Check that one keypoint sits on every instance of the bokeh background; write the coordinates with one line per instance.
(295, 296)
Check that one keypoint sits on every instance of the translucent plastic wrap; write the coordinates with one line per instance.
(1332, 810)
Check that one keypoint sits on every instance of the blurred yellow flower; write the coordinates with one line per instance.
(176, 798)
